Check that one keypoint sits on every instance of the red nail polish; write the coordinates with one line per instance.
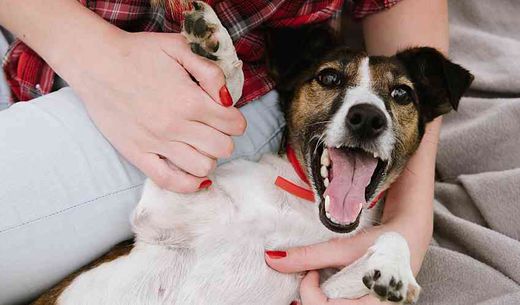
(276, 254)
(295, 303)
(225, 97)
(205, 184)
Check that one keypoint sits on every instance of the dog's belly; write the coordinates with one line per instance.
(208, 248)
(230, 267)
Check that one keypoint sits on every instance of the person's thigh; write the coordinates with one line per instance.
(66, 194)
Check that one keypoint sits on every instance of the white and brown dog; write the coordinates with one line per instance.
(353, 122)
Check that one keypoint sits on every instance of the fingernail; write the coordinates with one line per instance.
(276, 254)
(295, 303)
(205, 184)
(225, 97)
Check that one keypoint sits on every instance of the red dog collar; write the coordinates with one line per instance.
(301, 192)
(291, 187)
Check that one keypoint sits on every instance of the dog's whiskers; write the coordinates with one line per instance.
(318, 123)
(319, 142)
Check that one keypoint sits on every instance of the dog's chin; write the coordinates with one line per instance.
(376, 181)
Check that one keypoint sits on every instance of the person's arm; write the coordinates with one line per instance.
(58, 29)
(410, 199)
(409, 202)
(136, 88)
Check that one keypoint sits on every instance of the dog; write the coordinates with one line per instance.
(353, 121)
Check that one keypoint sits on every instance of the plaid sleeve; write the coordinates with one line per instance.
(363, 8)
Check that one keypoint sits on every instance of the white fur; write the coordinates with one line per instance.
(361, 94)
(208, 247)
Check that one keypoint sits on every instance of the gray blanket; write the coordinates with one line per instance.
(475, 255)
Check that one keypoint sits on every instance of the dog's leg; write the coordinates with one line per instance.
(175, 220)
(384, 271)
(209, 38)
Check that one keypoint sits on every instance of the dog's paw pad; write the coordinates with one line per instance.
(200, 27)
(389, 287)
(199, 50)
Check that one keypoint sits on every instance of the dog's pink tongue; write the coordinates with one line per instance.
(351, 173)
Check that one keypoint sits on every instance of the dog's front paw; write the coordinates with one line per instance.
(200, 28)
(389, 275)
(390, 287)
(384, 271)
(209, 38)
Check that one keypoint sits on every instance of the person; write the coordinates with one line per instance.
(141, 104)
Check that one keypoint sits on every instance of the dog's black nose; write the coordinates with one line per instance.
(366, 121)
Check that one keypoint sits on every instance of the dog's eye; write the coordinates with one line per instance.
(402, 94)
(330, 78)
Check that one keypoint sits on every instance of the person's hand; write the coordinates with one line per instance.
(137, 89)
(142, 98)
(336, 253)
(311, 294)
(340, 252)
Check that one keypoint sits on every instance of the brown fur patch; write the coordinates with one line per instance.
(386, 75)
(51, 296)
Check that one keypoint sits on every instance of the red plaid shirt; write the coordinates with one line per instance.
(29, 76)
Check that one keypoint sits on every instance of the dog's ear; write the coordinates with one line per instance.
(439, 83)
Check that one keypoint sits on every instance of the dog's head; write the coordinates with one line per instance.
(355, 120)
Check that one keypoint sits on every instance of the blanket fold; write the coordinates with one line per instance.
(475, 255)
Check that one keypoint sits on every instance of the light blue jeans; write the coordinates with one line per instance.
(66, 194)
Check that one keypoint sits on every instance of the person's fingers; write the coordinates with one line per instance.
(206, 72)
(201, 108)
(168, 177)
(333, 253)
(310, 291)
(227, 120)
(187, 158)
(198, 107)
(336, 253)
(206, 139)
(311, 294)
(210, 89)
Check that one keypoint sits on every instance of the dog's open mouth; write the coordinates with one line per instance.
(345, 179)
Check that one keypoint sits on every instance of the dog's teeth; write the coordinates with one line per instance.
(376, 155)
(327, 213)
(327, 204)
(324, 172)
(338, 146)
(325, 158)
(326, 182)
